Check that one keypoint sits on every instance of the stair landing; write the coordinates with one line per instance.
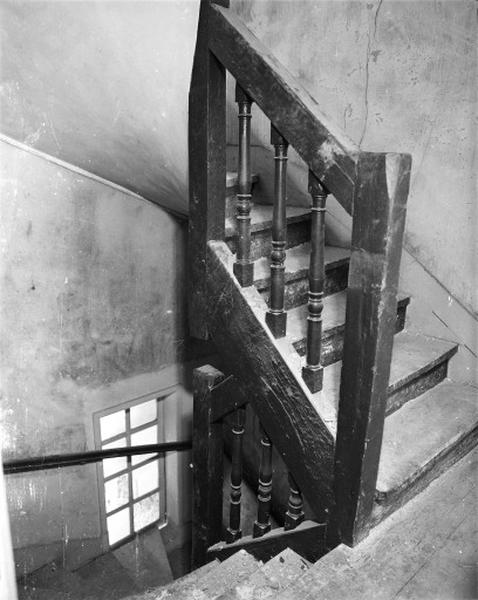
(427, 549)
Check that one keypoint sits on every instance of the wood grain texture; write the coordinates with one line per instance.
(379, 219)
(249, 351)
(207, 168)
(326, 150)
(425, 550)
(207, 461)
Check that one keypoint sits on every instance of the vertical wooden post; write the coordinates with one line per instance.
(234, 532)
(295, 508)
(276, 317)
(207, 168)
(379, 219)
(313, 371)
(244, 267)
(207, 461)
(262, 524)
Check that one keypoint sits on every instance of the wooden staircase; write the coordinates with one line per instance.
(431, 422)
(312, 338)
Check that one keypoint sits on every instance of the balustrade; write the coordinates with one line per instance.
(234, 532)
(262, 524)
(313, 371)
(244, 267)
(295, 513)
(276, 317)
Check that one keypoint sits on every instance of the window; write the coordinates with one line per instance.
(132, 487)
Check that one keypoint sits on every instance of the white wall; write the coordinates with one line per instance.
(103, 85)
(92, 315)
(396, 76)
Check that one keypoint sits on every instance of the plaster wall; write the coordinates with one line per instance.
(104, 86)
(396, 76)
(92, 315)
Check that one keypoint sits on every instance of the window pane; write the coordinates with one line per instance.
(146, 512)
(113, 465)
(118, 526)
(143, 413)
(112, 424)
(116, 492)
(145, 436)
(145, 479)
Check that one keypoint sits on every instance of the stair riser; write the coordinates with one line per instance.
(386, 506)
(297, 289)
(333, 339)
(413, 389)
(297, 233)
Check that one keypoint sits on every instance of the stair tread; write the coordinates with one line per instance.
(261, 217)
(297, 263)
(277, 574)
(412, 355)
(449, 410)
(333, 315)
(220, 579)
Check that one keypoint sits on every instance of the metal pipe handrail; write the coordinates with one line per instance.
(52, 461)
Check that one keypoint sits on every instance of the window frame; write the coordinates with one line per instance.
(159, 422)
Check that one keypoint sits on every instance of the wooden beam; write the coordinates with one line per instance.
(207, 461)
(207, 168)
(379, 219)
(328, 152)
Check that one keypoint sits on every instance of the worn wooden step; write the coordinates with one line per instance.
(418, 363)
(333, 325)
(277, 574)
(296, 273)
(180, 587)
(298, 229)
(423, 439)
(427, 549)
(216, 581)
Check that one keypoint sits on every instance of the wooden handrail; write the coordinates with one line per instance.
(328, 152)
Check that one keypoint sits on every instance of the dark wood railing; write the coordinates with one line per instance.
(372, 187)
(216, 534)
(276, 317)
(243, 267)
(313, 371)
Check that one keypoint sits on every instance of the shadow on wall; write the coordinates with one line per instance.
(104, 86)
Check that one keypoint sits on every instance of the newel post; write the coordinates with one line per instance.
(378, 224)
(207, 462)
(207, 166)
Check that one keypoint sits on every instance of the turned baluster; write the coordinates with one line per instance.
(313, 371)
(262, 524)
(234, 532)
(276, 317)
(244, 267)
(295, 513)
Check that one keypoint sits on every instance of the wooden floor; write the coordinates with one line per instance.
(426, 550)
